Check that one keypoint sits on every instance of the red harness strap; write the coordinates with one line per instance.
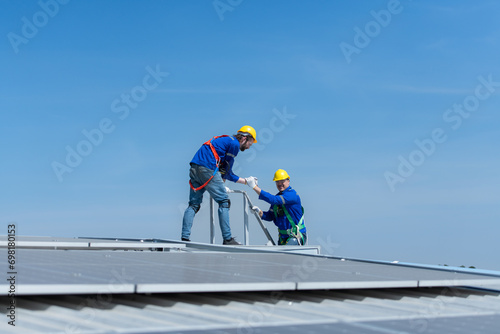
(217, 160)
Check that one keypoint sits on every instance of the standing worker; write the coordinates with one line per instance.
(210, 166)
(286, 210)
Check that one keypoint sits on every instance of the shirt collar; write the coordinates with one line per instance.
(287, 189)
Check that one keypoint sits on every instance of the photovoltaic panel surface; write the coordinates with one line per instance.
(43, 271)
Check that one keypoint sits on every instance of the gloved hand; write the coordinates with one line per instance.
(256, 209)
(251, 181)
(228, 190)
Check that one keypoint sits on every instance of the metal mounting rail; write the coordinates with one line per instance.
(247, 203)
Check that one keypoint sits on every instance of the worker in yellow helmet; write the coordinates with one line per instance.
(210, 166)
(286, 210)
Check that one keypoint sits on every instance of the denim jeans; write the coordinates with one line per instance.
(198, 176)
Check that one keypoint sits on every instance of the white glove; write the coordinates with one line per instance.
(256, 209)
(251, 181)
(228, 190)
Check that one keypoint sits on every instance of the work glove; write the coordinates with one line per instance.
(251, 181)
(256, 209)
(228, 190)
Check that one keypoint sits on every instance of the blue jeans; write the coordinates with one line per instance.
(198, 176)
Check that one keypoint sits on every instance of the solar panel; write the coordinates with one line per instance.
(44, 271)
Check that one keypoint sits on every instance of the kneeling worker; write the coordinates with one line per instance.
(286, 210)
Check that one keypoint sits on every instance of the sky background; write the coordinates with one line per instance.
(384, 113)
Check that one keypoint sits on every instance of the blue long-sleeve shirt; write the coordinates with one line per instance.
(227, 148)
(291, 200)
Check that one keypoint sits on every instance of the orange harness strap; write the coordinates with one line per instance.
(217, 160)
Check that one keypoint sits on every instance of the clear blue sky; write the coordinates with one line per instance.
(385, 114)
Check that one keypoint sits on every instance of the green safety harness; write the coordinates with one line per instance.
(293, 232)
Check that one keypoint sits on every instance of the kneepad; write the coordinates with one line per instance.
(225, 204)
(196, 207)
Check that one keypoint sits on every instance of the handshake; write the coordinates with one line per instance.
(251, 181)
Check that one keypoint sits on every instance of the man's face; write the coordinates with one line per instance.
(246, 143)
(282, 184)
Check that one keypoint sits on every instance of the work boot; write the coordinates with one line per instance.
(231, 242)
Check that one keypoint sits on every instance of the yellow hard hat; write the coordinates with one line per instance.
(250, 130)
(280, 174)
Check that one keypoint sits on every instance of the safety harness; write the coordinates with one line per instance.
(294, 232)
(217, 161)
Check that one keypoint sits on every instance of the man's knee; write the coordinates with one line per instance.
(225, 203)
(195, 207)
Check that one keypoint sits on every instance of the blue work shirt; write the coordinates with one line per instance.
(227, 148)
(291, 200)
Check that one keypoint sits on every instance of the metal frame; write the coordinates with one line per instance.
(247, 204)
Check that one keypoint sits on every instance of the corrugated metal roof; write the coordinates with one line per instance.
(353, 311)
(73, 288)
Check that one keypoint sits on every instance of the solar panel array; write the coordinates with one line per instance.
(52, 271)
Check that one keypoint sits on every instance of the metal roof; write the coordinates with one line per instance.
(418, 310)
(165, 286)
